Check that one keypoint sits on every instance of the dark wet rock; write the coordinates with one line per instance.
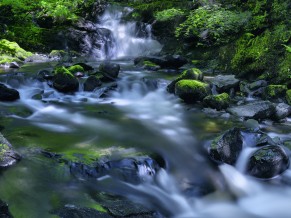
(268, 162)
(192, 74)
(191, 91)
(70, 211)
(64, 81)
(8, 156)
(7, 94)
(218, 102)
(4, 211)
(255, 110)
(256, 138)
(282, 111)
(14, 65)
(134, 170)
(44, 75)
(224, 83)
(170, 61)
(109, 70)
(227, 147)
(91, 83)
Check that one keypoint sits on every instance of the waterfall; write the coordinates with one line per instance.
(130, 39)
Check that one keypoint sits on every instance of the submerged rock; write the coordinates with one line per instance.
(7, 94)
(191, 91)
(224, 83)
(255, 110)
(70, 211)
(268, 162)
(8, 156)
(4, 211)
(109, 70)
(227, 147)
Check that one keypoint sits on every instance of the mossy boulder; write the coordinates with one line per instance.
(191, 91)
(288, 96)
(218, 102)
(148, 65)
(192, 74)
(227, 147)
(11, 51)
(268, 162)
(274, 91)
(64, 80)
(7, 94)
(76, 68)
(8, 156)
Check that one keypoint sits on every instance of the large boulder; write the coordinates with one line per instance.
(109, 70)
(217, 102)
(254, 110)
(282, 111)
(7, 94)
(8, 156)
(227, 147)
(268, 162)
(192, 74)
(191, 91)
(64, 81)
(91, 83)
(224, 83)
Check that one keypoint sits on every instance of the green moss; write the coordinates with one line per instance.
(218, 102)
(57, 53)
(168, 14)
(62, 70)
(11, 51)
(275, 91)
(76, 68)
(149, 64)
(3, 149)
(193, 73)
(288, 96)
(191, 84)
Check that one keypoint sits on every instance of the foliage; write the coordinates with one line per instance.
(168, 14)
(212, 25)
(275, 91)
(11, 51)
(288, 96)
(255, 53)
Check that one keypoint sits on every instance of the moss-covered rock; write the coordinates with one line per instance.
(192, 74)
(148, 65)
(218, 102)
(191, 90)
(64, 80)
(11, 51)
(76, 68)
(268, 162)
(288, 96)
(8, 156)
(275, 91)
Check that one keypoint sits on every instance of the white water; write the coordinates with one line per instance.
(127, 43)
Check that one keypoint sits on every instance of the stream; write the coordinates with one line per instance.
(138, 117)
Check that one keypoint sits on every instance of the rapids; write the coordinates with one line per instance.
(137, 116)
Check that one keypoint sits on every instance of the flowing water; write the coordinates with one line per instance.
(138, 116)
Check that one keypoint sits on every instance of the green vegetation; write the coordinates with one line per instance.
(288, 96)
(62, 70)
(193, 73)
(168, 14)
(212, 25)
(275, 91)
(76, 68)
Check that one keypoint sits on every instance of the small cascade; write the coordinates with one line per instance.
(129, 38)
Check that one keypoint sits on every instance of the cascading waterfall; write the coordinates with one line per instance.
(129, 38)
